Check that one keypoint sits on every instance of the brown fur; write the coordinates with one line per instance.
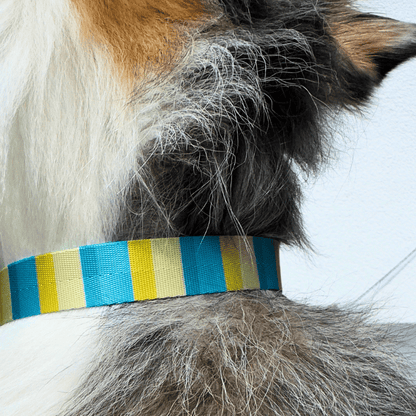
(361, 40)
(137, 33)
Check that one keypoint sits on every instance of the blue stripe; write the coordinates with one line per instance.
(266, 263)
(202, 265)
(24, 288)
(106, 273)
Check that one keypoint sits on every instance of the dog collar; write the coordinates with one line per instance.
(128, 271)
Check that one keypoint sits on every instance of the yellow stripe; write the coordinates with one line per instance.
(48, 294)
(249, 265)
(6, 314)
(68, 276)
(231, 263)
(276, 251)
(142, 271)
(168, 267)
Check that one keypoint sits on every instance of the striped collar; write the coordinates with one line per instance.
(128, 271)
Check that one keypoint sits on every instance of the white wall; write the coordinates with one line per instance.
(361, 214)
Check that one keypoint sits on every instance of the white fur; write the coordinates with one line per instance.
(64, 170)
(60, 173)
(42, 359)
(68, 148)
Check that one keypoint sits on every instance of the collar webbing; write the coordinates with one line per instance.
(127, 271)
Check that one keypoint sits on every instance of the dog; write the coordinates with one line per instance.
(127, 120)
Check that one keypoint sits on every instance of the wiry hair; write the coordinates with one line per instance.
(247, 353)
(245, 113)
(126, 125)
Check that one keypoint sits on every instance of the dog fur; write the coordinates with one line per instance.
(129, 119)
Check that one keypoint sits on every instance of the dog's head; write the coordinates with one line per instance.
(128, 119)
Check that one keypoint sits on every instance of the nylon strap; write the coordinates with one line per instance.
(128, 271)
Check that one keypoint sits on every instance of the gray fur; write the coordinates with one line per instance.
(246, 110)
(247, 353)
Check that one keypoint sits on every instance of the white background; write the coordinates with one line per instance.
(361, 212)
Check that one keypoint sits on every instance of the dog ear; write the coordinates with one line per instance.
(374, 44)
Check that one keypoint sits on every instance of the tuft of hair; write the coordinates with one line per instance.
(246, 353)
(248, 116)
